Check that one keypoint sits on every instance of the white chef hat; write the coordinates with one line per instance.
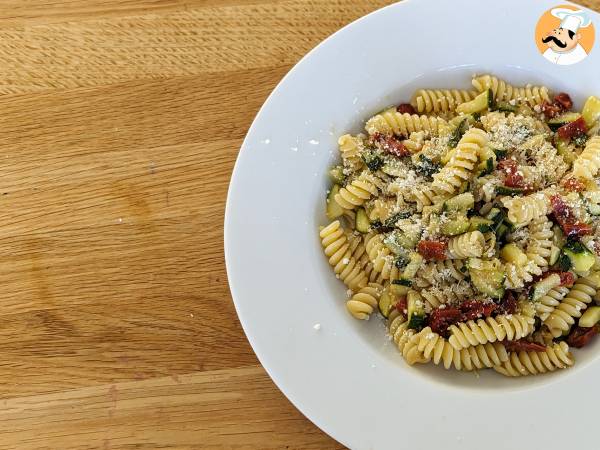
(571, 20)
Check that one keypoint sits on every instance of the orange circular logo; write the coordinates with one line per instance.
(565, 34)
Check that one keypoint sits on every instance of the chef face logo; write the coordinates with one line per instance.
(565, 35)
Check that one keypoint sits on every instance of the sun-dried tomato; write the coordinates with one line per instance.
(391, 145)
(512, 177)
(523, 345)
(402, 305)
(432, 249)
(441, 318)
(580, 337)
(573, 184)
(550, 110)
(474, 309)
(563, 101)
(572, 129)
(567, 221)
(508, 304)
(406, 108)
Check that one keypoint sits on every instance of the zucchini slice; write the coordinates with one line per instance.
(581, 258)
(505, 190)
(386, 303)
(416, 310)
(556, 122)
(361, 222)
(487, 276)
(565, 150)
(460, 203)
(336, 174)
(334, 210)
(482, 224)
(478, 104)
(459, 225)
(544, 286)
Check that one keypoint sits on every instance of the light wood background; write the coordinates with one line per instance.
(120, 122)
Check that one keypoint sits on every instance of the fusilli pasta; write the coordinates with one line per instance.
(533, 363)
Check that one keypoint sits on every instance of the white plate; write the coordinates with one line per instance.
(347, 377)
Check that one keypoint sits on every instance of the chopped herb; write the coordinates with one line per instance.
(564, 262)
(402, 282)
(426, 167)
(401, 262)
(417, 322)
(373, 161)
(580, 139)
(457, 134)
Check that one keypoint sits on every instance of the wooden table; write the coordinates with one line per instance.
(120, 121)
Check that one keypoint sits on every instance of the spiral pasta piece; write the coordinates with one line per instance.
(440, 100)
(436, 296)
(491, 329)
(461, 165)
(540, 244)
(362, 304)
(524, 363)
(440, 272)
(546, 304)
(424, 195)
(572, 306)
(337, 249)
(403, 124)
(402, 336)
(350, 148)
(357, 192)
(432, 347)
(588, 162)
(468, 245)
(381, 257)
(503, 91)
(415, 141)
(522, 210)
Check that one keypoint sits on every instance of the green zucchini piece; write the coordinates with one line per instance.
(487, 276)
(482, 224)
(581, 258)
(460, 203)
(564, 262)
(416, 310)
(485, 168)
(496, 216)
(563, 149)
(505, 190)
(491, 100)
(417, 322)
(426, 167)
(590, 318)
(500, 154)
(386, 303)
(580, 139)
(512, 253)
(361, 221)
(478, 104)
(402, 282)
(373, 160)
(544, 286)
(556, 122)
(336, 174)
(506, 107)
(334, 210)
(591, 111)
(458, 132)
(502, 231)
(458, 225)
(416, 260)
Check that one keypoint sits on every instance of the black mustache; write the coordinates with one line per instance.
(558, 42)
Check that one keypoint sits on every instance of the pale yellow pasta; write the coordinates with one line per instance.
(524, 363)
(522, 210)
(546, 304)
(491, 329)
(362, 304)
(381, 257)
(468, 245)
(432, 347)
(539, 248)
(357, 192)
(531, 95)
(572, 306)
(435, 296)
(588, 162)
(350, 148)
(403, 124)
(459, 169)
(440, 100)
(337, 249)
(440, 272)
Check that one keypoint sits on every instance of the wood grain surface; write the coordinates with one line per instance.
(120, 122)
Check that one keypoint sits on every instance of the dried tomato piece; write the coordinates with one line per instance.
(391, 145)
(432, 249)
(572, 129)
(573, 184)
(566, 278)
(406, 108)
(512, 177)
(402, 305)
(523, 345)
(580, 337)
(474, 309)
(563, 101)
(441, 318)
(576, 228)
(508, 305)
(550, 110)
(559, 207)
